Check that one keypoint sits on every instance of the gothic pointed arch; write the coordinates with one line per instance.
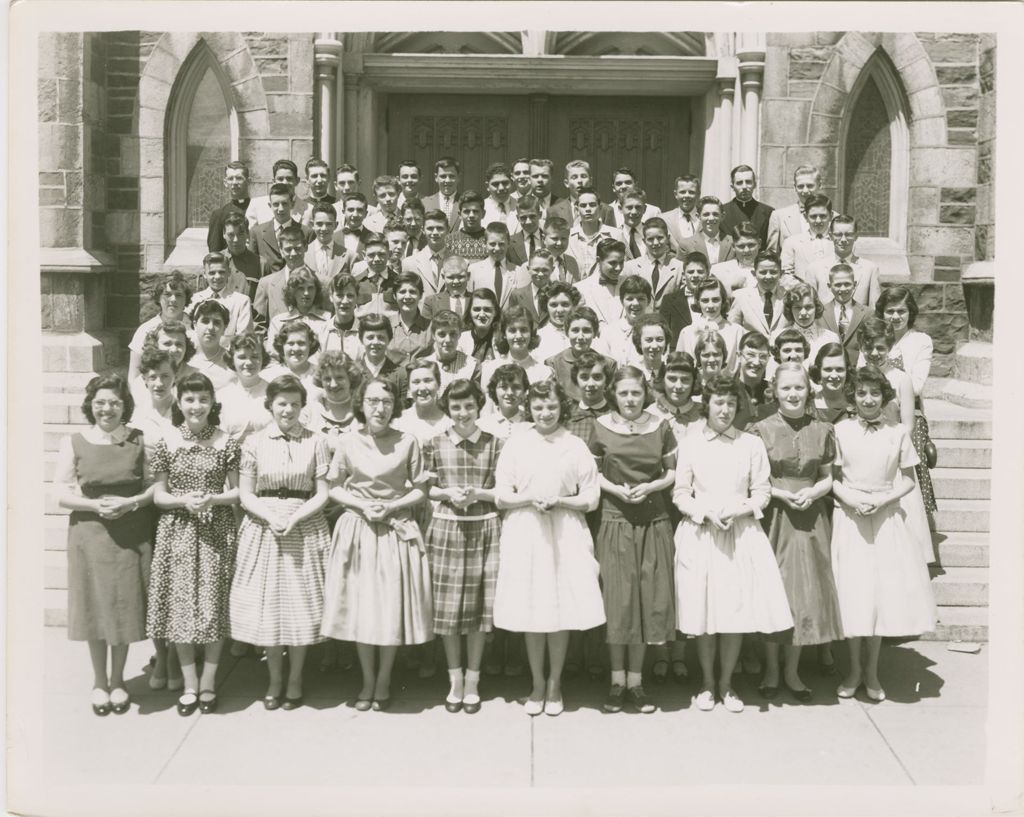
(449, 42)
(630, 43)
(201, 135)
(873, 168)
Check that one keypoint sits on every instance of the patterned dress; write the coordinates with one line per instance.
(634, 542)
(463, 544)
(797, 449)
(194, 554)
(277, 595)
(377, 587)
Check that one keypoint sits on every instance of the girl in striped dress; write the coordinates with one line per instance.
(277, 596)
(462, 539)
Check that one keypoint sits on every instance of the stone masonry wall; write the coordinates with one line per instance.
(808, 79)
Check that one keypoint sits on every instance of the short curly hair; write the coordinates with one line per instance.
(246, 342)
(459, 390)
(714, 283)
(872, 329)
(828, 350)
(792, 367)
(389, 386)
(651, 319)
(869, 376)
(894, 295)
(337, 361)
(557, 288)
(290, 327)
(196, 382)
(549, 390)
(720, 385)
(284, 384)
(505, 374)
(789, 336)
(116, 384)
(515, 314)
(297, 280)
(792, 298)
(170, 328)
(153, 359)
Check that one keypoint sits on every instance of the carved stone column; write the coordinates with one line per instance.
(751, 79)
(327, 56)
(726, 81)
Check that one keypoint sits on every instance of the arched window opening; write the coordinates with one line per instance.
(201, 137)
(874, 153)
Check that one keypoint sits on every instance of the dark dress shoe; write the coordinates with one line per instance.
(471, 708)
(639, 700)
(453, 706)
(363, 705)
(187, 704)
(292, 703)
(381, 704)
(272, 702)
(804, 696)
(616, 698)
(768, 692)
(207, 705)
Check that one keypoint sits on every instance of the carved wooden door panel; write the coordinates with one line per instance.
(476, 130)
(649, 135)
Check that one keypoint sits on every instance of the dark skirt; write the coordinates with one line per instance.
(464, 560)
(919, 437)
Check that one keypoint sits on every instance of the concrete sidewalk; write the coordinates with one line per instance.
(930, 731)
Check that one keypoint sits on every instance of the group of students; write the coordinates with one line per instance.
(375, 447)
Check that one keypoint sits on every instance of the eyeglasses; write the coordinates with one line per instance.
(378, 401)
(112, 404)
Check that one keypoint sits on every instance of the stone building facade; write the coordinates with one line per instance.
(135, 125)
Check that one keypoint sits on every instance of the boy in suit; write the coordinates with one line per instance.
(800, 252)
(842, 314)
(539, 268)
(635, 212)
(265, 239)
(385, 190)
(577, 177)
(744, 207)
(600, 289)
(269, 299)
(683, 220)
(658, 266)
(326, 256)
(521, 184)
(498, 205)
(759, 308)
(494, 272)
(260, 209)
(556, 241)
(318, 180)
(446, 199)
(429, 261)
(244, 265)
(376, 288)
(525, 235)
(353, 234)
(589, 230)
(623, 182)
(710, 241)
(408, 180)
(738, 271)
(237, 304)
(540, 179)
(453, 296)
(787, 221)
(695, 272)
(236, 182)
(867, 286)
(413, 217)
(469, 239)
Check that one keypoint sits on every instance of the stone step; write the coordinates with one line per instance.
(963, 548)
(64, 408)
(73, 382)
(964, 453)
(55, 570)
(974, 362)
(78, 352)
(956, 515)
(55, 432)
(959, 392)
(960, 586)
(55, 532)
(962, 483)
(55, 608)
(960, 624)
(49, 465)
(948, 421)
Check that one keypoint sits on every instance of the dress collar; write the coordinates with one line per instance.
(457, 438)
(189, 436)
(871, 425)
(730, 433)
(275, 433)
(95, 434)
(644, 424)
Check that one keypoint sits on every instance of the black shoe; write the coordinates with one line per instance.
(638, 698)
(659, 677)
(453, 706)
(804, 696)
(291, 703)
(381, 704)
(272, 702)
(187, 704)
(616, 698)
(471, 707)
(207, 705)
(768, 692)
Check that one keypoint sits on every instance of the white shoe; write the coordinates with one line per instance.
(704, 700)
(554, 708)
(732, 702)
(533, 707)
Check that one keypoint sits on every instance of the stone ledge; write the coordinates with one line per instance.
(74, 260)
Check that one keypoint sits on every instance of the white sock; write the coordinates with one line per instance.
(618, 677)
(472, 685)
(634, 679)
(456, 692)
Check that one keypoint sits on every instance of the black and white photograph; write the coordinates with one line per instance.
(536, 409)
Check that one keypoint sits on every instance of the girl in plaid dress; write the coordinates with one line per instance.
(462, 539)
(277, 595)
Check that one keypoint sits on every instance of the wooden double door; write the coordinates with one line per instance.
(650, 135)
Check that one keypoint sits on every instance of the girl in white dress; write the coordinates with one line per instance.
(546, 480)
(727, 578)
(883, 586)
(515, 342)
(651, 335)
(556, 301)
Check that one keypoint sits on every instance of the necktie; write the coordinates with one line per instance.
(634, 248)
(533, 246)
(497, 281)
(322, 260)
(435, 265)
(655, 277)
(558, 274)
(446, 206)
(501, 207)
(769, 309)
(844, 322)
